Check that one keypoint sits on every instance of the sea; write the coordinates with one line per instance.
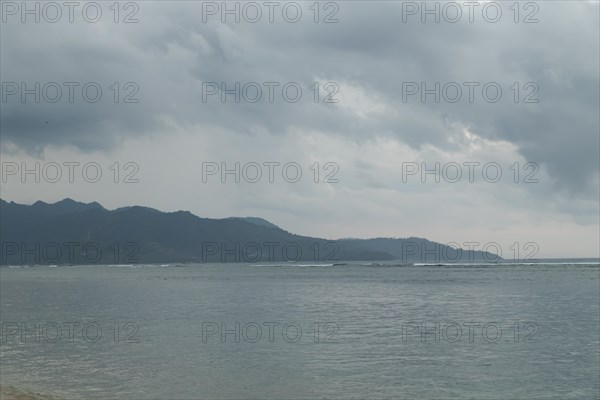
(303, 331)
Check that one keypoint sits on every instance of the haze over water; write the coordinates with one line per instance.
(169, 342)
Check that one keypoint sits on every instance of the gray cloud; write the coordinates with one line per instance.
(170, 52)
(369, 53)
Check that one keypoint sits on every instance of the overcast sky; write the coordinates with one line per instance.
(370, 130)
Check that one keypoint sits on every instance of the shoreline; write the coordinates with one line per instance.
(8, 392)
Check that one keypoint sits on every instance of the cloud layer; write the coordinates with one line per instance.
(372, 61)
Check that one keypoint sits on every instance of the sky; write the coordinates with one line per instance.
(454, 121)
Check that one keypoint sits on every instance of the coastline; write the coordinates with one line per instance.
(13, 393)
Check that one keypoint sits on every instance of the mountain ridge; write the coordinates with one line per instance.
(39, 233)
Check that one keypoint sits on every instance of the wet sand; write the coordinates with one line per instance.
(12, 393)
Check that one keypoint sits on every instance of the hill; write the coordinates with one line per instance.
(71, 232)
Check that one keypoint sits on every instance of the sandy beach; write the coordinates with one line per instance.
(12, 393)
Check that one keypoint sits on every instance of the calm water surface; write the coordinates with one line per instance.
(302, 332)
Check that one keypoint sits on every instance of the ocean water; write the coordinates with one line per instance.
(284, 331)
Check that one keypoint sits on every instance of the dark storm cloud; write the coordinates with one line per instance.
(170, 52)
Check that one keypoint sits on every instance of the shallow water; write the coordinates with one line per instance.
(150, 332)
